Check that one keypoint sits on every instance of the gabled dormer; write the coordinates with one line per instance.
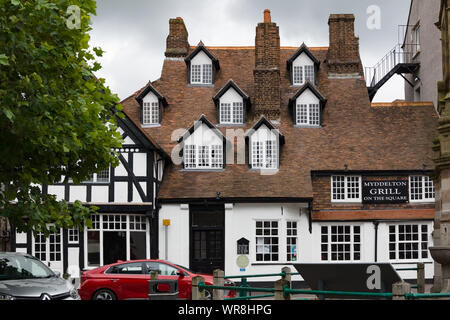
(203, 146)
(232, 104)
(201, 66)
(306, 106)
(151, 102)
(303, 66)
(264, 143)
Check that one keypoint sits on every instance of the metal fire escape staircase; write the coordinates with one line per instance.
(400, 60)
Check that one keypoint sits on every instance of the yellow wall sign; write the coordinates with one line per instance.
(166, 222)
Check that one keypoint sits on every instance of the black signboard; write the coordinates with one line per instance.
(243, 246)
(385, 191)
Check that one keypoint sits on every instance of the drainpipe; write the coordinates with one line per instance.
(375, 224)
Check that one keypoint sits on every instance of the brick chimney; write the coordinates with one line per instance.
(267, 69)
(177, 44)
(343, 53)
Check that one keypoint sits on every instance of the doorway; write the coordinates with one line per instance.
(207, 238)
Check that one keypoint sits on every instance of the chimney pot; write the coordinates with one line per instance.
(267, 18)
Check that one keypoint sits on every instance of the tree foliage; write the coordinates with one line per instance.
(56, 117)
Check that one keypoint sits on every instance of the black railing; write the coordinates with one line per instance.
(398, 55)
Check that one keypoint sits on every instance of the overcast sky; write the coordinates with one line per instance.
(133, 32)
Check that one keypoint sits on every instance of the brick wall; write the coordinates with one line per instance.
(267, 98)
(343, 53)
(324, 209)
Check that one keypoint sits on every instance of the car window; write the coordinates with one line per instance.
(164, 269)
(126, 268)
(22, 267)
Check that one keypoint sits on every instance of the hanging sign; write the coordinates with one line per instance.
(385, 191)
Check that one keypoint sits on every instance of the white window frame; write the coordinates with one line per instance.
(97, 225)
(192, 159)
(73, 236)
(260, 159)
(346, 189)
(300, 74)
(425, 183)
(47, 242)
(411, 241)
(232, 110)
(206, 73)
(270, 246)
(292, 236)
(306, 110)
(96, 177)
(150, 112)
(352, 242)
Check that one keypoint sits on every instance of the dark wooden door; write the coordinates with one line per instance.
(207, 248)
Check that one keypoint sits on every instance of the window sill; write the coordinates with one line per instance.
(422, 201)
(202, 170)
(206, 85)
(307, 126)
(275, 170)
(230, 125)
(347, 202)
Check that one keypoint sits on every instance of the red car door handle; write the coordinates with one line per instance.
(114, 280)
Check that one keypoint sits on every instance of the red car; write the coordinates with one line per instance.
(129, 280)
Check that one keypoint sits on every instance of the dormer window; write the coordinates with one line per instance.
(232, 104)
(303, 66)
(264, 142)
(151, 102)
(201, 73)
(203, 147)
(201, 66)
(306, 106)
(203, 156)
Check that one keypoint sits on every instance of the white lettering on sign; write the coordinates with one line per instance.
(374, 280)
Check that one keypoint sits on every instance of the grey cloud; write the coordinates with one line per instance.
(133, 32)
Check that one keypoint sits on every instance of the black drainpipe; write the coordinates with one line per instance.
(375, 224)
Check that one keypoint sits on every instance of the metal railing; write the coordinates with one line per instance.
(282, 288)
(397, 55)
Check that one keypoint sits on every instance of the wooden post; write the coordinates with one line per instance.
(421, 277)
(279, 293)
(399, 289)
(218, 280)
(196, 294)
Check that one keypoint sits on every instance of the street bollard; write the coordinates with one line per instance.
(196, 294)
(218, 280)
(399, 289)
(279, 290)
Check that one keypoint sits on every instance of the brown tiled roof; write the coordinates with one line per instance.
(353, 132)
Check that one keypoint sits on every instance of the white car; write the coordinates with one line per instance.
(23, 277)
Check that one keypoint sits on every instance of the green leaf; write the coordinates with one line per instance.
(4, 60)
(8, 113)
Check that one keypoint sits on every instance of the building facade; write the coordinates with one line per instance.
(278, 156)
(124, 228)
(423, 39)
